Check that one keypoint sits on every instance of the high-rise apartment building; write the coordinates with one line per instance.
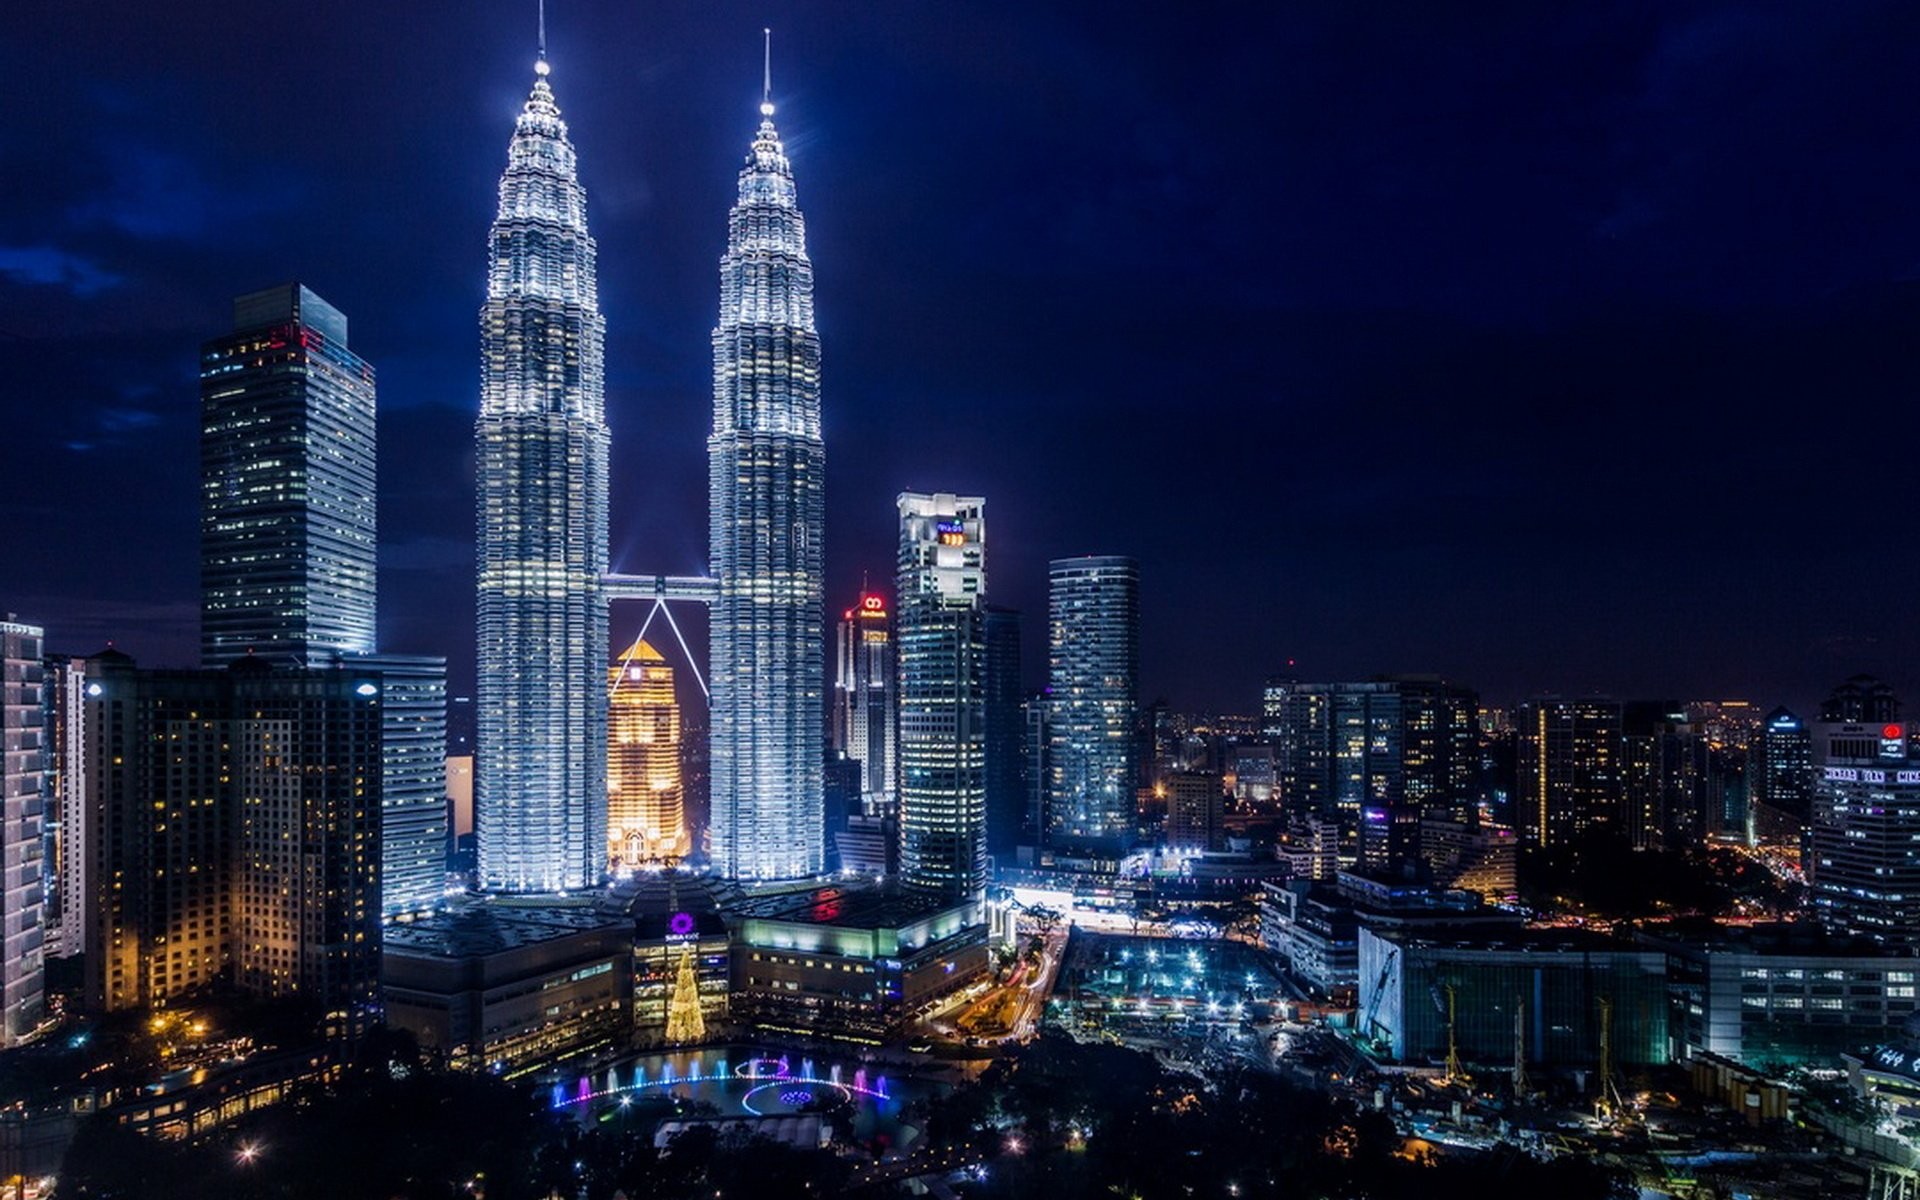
(646, 794)
(1196, 806)
(542, 445)
(1006, 767)
(941, 590)
(1669, 792)
(1376, 758)
(1782, 777)
(1093, 680)
(863, 701)
(1571, 776)
(66, 797)
(767, 477)
(233, 832)
(22, 802)
(287, 515)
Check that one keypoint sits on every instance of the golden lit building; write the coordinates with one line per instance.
(646, 799)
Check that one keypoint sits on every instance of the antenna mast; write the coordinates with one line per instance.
(766, 75)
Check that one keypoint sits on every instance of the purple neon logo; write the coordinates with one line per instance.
(680, 924)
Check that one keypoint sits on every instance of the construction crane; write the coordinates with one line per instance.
(1455, 1073)
(1520, 1085)
(1609, 1106)
(1379, 990)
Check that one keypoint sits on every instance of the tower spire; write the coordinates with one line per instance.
(766, 74)
(540, 65)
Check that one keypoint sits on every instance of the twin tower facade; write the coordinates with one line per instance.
(542, 447)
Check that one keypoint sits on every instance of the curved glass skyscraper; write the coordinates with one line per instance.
(541, 772)
(766, 477)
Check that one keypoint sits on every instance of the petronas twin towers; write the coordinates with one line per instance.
(542, 450)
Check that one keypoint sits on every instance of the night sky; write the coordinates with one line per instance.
(1545, 346)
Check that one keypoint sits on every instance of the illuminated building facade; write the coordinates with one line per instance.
(542, 444)
(1782, 778)
(288, 530)
(864, 691)
(66, 798)
(22, 768)
(675, 914)
(1093, 675)
(767, 467)
(1473, 856)
(850, 964)
(1376, 758)
(1787, 993)
(662, 942)
(413, 779)
(1572, 774)
(1196, 807)
(233, 828)
(646, 797)
(508, 986)
(1863, 869)
(1553, 980)
(942, 589)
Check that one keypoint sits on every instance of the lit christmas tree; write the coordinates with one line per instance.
(684, 1022)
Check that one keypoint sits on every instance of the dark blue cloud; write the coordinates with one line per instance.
(50, 266)
(1543, 345)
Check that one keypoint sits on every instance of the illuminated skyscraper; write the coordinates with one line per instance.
(1093, 670)
(942, 628)
(22, 764)
(541, 441)
(287, 505)
(863, 701)
(1863, 872)
(766, 478)
(1571, 769)
(1782, 777)
(646, 799)
(65, 861)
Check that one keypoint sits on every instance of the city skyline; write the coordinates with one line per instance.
(1505, 605)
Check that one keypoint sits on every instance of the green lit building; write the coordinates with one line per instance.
(1560, 988)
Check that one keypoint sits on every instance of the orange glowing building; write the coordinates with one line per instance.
(646, 797)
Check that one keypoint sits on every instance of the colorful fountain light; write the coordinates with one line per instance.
(764, 1072)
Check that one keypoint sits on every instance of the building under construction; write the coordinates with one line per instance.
(1557, 995)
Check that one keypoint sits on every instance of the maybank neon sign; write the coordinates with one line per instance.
(1869, 775)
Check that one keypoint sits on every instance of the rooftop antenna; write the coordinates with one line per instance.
(766, 75)
(540, 67)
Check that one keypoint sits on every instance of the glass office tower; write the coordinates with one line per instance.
(541, 441)
(942, 631)
(767, 469)
(287, 518)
